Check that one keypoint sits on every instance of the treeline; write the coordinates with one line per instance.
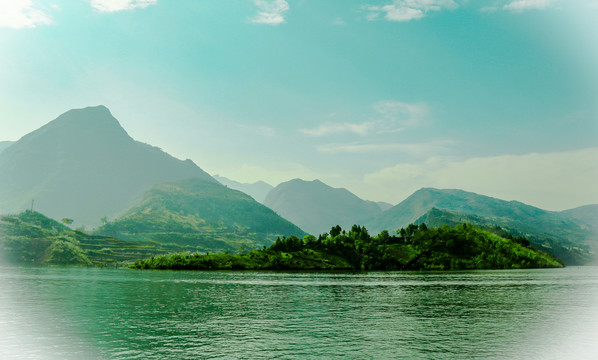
(411, 248)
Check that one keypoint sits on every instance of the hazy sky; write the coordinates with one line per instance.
(498, 97)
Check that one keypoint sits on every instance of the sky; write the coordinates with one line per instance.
(498, 97)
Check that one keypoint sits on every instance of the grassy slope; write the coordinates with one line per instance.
(203, 215)
(32, 238)
(571, 254)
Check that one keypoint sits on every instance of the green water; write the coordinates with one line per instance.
(79, 313)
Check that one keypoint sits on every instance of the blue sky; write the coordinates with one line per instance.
(381, 97)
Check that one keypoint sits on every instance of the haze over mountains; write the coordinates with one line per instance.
(258, 190)
(83, 165)
(5, 144)
(316, 207)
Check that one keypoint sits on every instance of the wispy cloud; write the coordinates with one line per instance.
(18, 14)
(390, 116)
(400, 115)
(554, 181)
(111, 6)
(523, 5)
(338, 128)
(417, 149)
(270, 12)
(407, 10)
(338, 21)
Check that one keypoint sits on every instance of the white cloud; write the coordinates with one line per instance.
(390, 116)
(400, 115)
(407, 10)
(265, 131)
(553, 181)
(270, 12)
(523, 5)
(111, 6)
(338, 128)
(338, 21)
(492, 8)
(18, 14)
(417, 149)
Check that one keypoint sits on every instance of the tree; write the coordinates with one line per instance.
(67, 221)
(335, 231)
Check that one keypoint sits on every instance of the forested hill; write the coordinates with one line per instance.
(202, 214)
(571, 253)
(413, 248)
(34, 239)
(526, 220)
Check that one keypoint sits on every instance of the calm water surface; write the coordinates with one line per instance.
(80, 313)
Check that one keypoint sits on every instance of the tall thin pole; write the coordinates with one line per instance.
(32, 200)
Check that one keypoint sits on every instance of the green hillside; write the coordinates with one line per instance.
(536, 224)
(570, 253)
(202, 214)
(415, 248)
(32, 238)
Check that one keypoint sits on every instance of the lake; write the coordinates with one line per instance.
(91, 313)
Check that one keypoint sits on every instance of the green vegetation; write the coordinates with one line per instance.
(32, 238)
(567, 237)
(202, 216)
(413, 248)
(570, 253)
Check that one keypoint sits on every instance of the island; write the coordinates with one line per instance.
(463, 247)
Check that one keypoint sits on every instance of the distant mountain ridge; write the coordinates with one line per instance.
(257, 190)
(588, 214)
(203, 215)
(5, 144)
(571, 254)
(316, 207)
(525, 220)
(525, 217)
(83, 165)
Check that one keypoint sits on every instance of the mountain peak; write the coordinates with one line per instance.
(89, 116)
(94, 124)
(84, 165)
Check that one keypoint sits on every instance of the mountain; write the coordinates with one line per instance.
(383, 205)
(588, 214)
(257, 190)
(83, 165)
(514, 214)
(5, 144)
(316, 207)
(571, 254)
(202, 215)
